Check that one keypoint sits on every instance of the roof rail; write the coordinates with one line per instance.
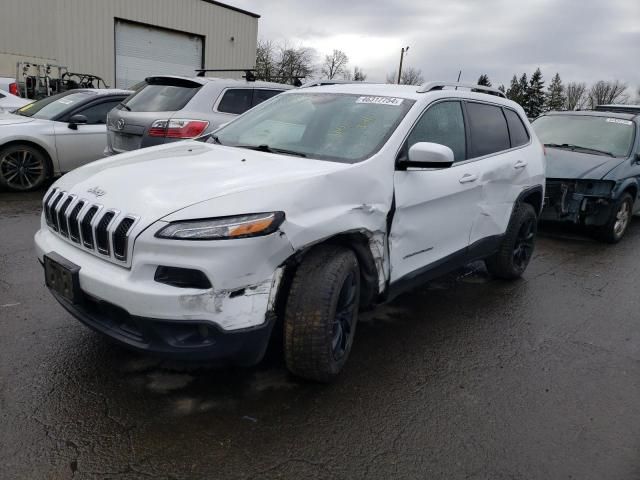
(431, 86)
(320, 83)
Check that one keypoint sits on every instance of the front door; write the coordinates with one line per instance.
(435, 208)
(76, 147)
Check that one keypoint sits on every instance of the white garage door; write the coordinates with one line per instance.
(142, 51)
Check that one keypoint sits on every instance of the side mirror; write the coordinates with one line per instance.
(76, 120)
(429, 155)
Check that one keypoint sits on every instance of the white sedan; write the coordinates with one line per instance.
(54, 135)
(10, 102)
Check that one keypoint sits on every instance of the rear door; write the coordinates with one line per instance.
(85, 143)
(493, 130)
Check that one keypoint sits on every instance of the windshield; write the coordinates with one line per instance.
(601, 135)
(51, 107)
(329, 126)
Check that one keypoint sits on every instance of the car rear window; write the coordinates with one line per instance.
(260, 95)
(236, 101)
(161, 98)
(517, 130)
(489, 133)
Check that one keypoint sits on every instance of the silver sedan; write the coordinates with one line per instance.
(54, 135)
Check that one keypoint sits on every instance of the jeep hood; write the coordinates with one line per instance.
(578, 165)
(155, 182)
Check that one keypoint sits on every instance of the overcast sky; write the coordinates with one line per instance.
(583, 40)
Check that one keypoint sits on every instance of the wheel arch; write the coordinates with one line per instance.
(534, 196)
(360, 243)
(38, 146)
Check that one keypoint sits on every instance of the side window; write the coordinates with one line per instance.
(1, 95)
(97, 114)
(260, 95)
(518, 132)
(236, 100)
(489, 133)
(442, 123)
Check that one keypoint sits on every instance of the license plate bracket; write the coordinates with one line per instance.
(62, 277)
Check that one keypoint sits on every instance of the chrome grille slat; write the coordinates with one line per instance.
(86, 228)
(63, 225)
(120, 238)
(53, 212)
(102, 233)
(90, 226)
(74, 226)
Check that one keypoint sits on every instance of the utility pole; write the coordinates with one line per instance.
(402, 53)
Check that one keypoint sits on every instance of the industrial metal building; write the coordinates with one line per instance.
(124, 41)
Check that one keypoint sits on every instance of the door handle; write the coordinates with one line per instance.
(520, 164)
(468, 178)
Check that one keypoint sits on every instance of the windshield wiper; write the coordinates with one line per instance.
(126, 107)
(268, 149)
(570, 146)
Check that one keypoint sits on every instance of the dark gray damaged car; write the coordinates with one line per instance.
(593, 169)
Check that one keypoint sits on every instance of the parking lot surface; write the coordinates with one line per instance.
(467, 378)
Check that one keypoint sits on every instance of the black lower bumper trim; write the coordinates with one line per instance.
(188, 340)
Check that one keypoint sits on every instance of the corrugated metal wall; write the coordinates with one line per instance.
(80, 33)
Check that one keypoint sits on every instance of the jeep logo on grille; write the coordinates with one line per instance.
(97, 191)
(120, 124)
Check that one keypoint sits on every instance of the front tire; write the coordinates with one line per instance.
(22, 168)
(516, 248)
(616, 226)
(321, 313)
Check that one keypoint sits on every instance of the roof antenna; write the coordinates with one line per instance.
(459, 75)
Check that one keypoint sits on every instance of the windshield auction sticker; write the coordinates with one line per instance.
(620, 121)
(381, 100)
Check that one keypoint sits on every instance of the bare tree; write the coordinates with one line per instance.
(575, 96)
(410, 76)
(294, 64)
(335, 64)
(360, 76)
(266, 61)
(604, 93)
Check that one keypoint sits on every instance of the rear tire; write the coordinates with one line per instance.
(22, 168)
(516, 248)
(616, 226)
(321, 313)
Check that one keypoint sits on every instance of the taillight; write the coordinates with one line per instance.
(13, 89)
(178, 128)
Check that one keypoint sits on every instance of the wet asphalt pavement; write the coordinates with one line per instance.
(468, 378)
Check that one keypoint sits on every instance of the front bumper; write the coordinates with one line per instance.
(573, 202)
(244, 275)
(189, 341)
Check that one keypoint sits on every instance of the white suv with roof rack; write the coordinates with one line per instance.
(317, 203)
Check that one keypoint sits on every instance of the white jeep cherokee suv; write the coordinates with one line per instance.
(316, 203)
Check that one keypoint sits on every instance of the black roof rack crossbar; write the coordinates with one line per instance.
(248, 72)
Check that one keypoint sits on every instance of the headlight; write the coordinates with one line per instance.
(241, 226)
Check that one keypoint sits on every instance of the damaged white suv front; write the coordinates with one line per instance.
(300, 212)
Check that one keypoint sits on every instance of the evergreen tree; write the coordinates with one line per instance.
(555, 94)
(523, 84)
(514, 92)
(484, 80)
(502, 89)
(534, 104)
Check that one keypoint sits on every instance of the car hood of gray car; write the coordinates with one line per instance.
(579, 165)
